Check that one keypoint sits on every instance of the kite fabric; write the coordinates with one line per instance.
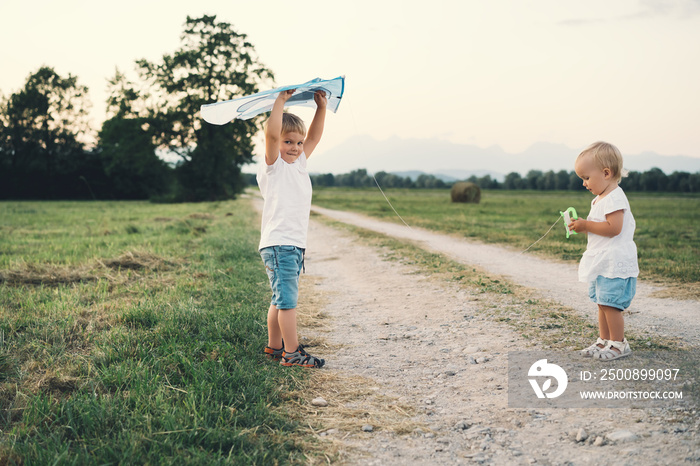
(245, 108)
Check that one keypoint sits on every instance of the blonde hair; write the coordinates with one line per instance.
(293, 124)
(605, 155)
(290, 124)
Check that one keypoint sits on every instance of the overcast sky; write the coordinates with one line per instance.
(502, 72)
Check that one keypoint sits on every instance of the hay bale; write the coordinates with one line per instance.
(465, 191)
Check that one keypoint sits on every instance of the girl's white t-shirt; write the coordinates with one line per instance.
(611, 257)
(286, 190)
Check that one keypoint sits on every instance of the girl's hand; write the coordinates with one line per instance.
(320, 99)
(579, 226)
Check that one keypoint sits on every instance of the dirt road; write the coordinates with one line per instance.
(424, 348)
(554, 280)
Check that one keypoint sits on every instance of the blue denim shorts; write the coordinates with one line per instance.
(613, 292)
(283, 265)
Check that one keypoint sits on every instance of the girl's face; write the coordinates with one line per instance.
(291, 144)
(598, 181)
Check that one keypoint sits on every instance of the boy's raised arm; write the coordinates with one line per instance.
(316, 128)
(273, 129)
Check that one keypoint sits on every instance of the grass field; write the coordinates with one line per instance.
(667, 235)
(130, 333)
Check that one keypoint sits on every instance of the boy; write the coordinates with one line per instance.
(286, 189)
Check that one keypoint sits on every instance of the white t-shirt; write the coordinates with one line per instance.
(286, 190)
(611, 257)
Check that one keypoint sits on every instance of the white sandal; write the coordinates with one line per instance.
(608, 354)
(594, 348)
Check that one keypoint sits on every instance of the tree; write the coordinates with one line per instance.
(129, 158)
(355, 179)
(653, 180)
(323, 180)
(213, 63)
(486, 182)
(43, 136)
(630, 182)
(575, 183)
(694, 183)
(532, 179)
(391, 180)
(513, 180)
(548, 181)
(562, 180)
(428, 182)
(679, 182)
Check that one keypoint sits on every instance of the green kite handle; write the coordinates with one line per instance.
(569, 214)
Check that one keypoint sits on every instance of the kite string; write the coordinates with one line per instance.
(542, 237)
(354, 121)
(388, 202)
(357, 131)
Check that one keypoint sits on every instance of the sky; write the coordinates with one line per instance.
(509, 73)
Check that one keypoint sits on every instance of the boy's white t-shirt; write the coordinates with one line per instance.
(286, 190)
(611, 257)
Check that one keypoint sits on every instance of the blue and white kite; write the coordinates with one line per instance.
(245, 108)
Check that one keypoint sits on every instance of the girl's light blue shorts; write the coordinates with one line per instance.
(613, 292)
(283, 265)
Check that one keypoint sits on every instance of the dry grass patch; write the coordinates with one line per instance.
(311, 304)
(59, 384)
(100, 318)
(55, 275)
(682, 291)
(112, 285)
(311, 315)
(46, 274)
(202, 216)
(138, 260)
(353, 402)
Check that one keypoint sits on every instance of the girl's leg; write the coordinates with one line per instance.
(274, 334)
(287, 320)
(603, 324)
(615, 324)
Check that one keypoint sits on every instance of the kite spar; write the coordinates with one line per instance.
(245, 108)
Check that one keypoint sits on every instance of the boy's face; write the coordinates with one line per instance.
(598, 181)
(291, 144)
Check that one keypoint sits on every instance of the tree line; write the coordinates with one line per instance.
(653, 180)
(48, 151)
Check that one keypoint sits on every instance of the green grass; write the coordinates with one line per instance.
(130, 333)
(667, 235)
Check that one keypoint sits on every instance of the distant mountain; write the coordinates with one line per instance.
(451, 176)
(455, 175)
(460, 161)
